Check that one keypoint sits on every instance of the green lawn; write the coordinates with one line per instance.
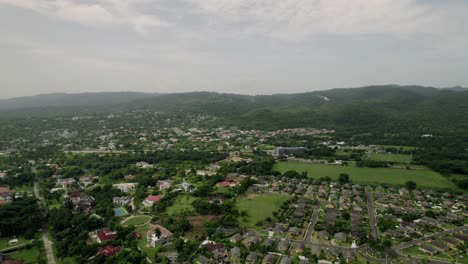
(399, 158)
(260, 206)
(423, 177)
(137, 220)
(143, 243)
(414, 251)
(183, 203)
(4, 242)
(28, 255)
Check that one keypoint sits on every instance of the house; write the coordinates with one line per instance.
(164, 184)
(252, 258)
(235, 238)
(323, 235)
(6, 194)
(106, 235)
(130, 177)
(235, 255)
(109, 251)
(393, 234)
(87, 179)
(122, 201)
(151, 199)
(227, 184)
(428, 249)
(66, 183)
(289, 151)
(202, 260)
(216, 200)
(450, 242)
(268, 242)
(217, 249)
(295, 231)
(252, 240)
(298, 248)
(75, 197)
(143, 165)
(341, 236)
(158, 235)
(187, 187)
(283, 245)
(286, 260)
(268, 259)
(440, 246)
(126, 187)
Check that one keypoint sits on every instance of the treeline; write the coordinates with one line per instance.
(21, 217)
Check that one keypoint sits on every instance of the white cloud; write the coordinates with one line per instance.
(298, 19)
(100, 13)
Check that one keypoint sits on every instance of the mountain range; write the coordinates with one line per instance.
(388, 107)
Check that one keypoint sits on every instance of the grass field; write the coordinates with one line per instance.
(423, 177)
(28, 255)
(399, 158)
(414, 251)
(4, 242)
(183, 203)
(268, 203)
(137, 220)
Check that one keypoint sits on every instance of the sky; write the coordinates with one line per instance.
(234, 46)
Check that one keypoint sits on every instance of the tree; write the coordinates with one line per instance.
(411, 185)
(343, 178)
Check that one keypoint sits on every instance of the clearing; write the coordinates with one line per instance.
(268, 203)
(363, 175)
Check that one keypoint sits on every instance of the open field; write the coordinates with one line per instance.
(183, 203)
(136, 220)
(28, 255)
(399, 158)
(423, 177)
(253, 202)
(4, 242)
(197, 223)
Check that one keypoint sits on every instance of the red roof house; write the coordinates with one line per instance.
(106, 235)
(109, 251)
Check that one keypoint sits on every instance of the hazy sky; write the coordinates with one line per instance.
(239, 46)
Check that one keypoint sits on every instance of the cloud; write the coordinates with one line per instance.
(299, 19)
(100, 13)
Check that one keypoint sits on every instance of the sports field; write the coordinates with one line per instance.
(399, 158)
(260, 206)
(423, 177)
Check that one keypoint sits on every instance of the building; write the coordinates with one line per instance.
(122, 201)
(287, 151)
(158, 235)
(106, 235)
(126, 187)
(151, 199)
(6, 194)
(164, 184)
(109, 251)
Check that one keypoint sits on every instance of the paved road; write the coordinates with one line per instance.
(45, 238)
(371, 212)
(436, 235)
(313, 221)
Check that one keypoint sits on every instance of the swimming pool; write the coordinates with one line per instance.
(120, 212)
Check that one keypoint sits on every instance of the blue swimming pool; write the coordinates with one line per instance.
(119, 212)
